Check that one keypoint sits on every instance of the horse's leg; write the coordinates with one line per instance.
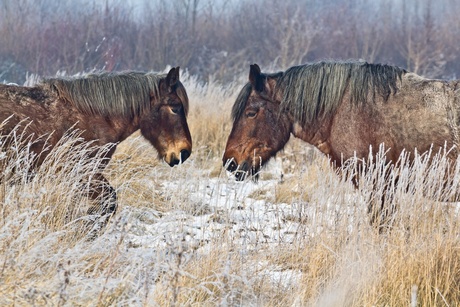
(101, 191)
(382, 210)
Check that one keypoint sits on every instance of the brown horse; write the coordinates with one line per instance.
(343, 109)
(106, 108)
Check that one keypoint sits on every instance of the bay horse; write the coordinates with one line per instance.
(106, 108)
(343, 109)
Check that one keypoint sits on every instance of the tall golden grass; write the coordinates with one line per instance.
(191, 236)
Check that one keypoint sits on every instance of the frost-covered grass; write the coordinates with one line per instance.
(191, 235)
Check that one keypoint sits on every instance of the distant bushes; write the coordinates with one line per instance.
(218, 39)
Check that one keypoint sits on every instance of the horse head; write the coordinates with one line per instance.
(259, 129)
(165, 123)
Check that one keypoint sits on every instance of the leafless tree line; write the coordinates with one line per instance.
(218, 39)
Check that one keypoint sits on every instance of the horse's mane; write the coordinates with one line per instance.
(241, 100)
(314, 90)
(124, 94)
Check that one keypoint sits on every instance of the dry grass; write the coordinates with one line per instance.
(190, 236)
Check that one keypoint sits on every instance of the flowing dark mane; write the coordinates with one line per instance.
(314, 90)
(240, 102)
(111, 94)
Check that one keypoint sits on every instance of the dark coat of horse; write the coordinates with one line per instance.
(106, 108)
(343, 109)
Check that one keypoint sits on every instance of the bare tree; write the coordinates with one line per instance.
(419, 40)
(219, 39)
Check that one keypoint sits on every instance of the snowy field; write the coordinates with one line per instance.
(192, 236)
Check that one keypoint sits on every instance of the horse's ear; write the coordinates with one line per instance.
(172, 77)
(256, 78)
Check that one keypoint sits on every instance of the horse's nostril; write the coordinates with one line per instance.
(184, 154)
(240, 176)
(232, 166)
(173, 160)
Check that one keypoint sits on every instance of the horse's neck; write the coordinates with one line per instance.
(125, 127)
(108, 130)
(316, 134)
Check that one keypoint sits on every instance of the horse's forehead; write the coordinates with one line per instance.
(257, 99)
(255, 96)
(168, 97)
(176, 97)
(254, 101)
(172, 97)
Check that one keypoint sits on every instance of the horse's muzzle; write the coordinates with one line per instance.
(241, 172)
(184, 154)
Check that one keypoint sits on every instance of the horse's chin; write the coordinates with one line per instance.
(246, 175)
(165, 160)
(246, 170)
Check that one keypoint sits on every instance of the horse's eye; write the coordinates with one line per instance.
(175, 109)
(251, 114)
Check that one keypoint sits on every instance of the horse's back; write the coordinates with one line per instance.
(15, 95)
(31, 107)
(421, 115)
